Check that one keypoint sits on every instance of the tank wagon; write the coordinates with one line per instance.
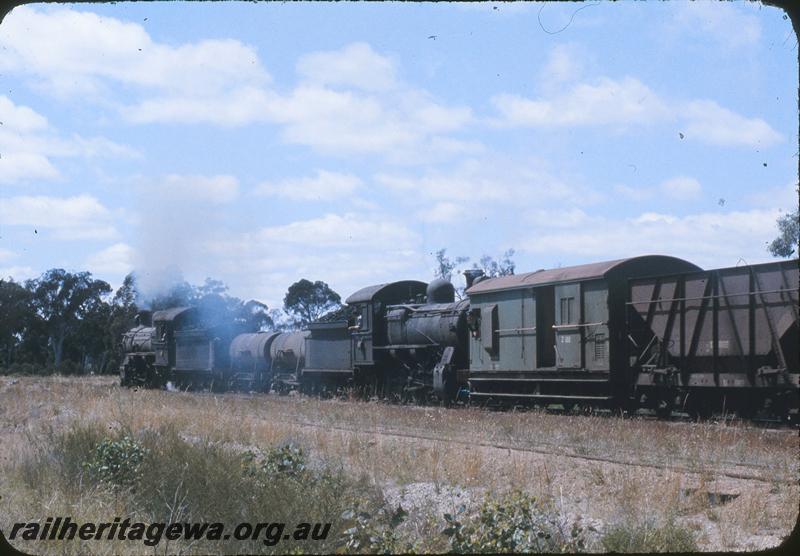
(401, 340)
(260, 359)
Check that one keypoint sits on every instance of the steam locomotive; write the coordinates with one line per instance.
(189, 350)
(651, 332)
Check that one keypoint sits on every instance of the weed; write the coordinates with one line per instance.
(515, 522)
(373, 534)
(647, 537)
(117, 462)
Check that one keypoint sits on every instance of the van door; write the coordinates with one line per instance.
(569, 334)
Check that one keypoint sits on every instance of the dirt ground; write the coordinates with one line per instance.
(734, 485)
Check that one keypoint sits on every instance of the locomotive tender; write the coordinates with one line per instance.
(652, 332)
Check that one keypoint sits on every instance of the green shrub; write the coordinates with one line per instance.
(647, 537)
(373, 533)
(287, 460)
(161, 476)
(117, 462)
(515, 522)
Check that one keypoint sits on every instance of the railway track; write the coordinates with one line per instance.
(751, 471)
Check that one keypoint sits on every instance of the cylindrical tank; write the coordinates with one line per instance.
(138, 339)
(439, 324)
(287, 349)
(250, 352)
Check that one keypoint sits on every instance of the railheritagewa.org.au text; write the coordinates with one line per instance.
(63, 528)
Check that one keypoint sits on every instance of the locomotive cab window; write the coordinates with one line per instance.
(474, 322)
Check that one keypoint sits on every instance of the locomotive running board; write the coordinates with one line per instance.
(554, 397)
(533, 379)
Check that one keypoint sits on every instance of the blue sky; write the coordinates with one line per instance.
(264, 143)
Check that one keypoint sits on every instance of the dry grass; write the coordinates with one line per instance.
(611, 470)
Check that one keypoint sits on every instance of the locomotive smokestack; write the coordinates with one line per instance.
(471, 274)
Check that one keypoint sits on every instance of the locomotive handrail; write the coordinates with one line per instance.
(754, 292)
(559, 326)
(420, 307)
(532, 328)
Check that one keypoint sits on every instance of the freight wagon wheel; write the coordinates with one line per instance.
(700, 410)
(664, 409)
(217, 385)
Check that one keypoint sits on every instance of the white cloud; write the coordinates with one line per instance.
(348, 101)
(375, 115)
(565, 63)
(18, 166)
(239, 106)
(71, 218)
(682, 188)
(679, 188)
(115, 259)
(726, 23)
(626, 102)
(443, 212)
(781, 197)
(404, 125)
(324, 186)
(710, 123)
(708, 239)
(606, 101)
(193, 189)
(355, 65)
(641, 193)
(27, 142)
(348, 231)
(20, 119)
(18, 273)
(6, 255)
(348, 251)
(18, 161)
(77, 52)
(490, 179)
